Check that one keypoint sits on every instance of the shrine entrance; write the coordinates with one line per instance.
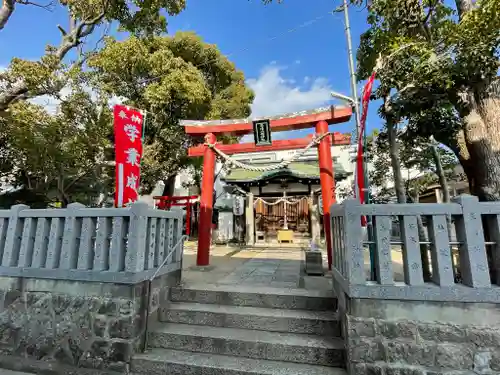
(273, 214)
(208, 130)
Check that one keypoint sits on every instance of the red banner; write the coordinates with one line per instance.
(360, 175)
(128, 123)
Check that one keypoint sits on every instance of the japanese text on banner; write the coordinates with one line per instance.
(128, 124)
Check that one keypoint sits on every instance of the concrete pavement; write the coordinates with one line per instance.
(272, 266)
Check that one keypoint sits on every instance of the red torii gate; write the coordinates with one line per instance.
(319, 118)
(166, 202)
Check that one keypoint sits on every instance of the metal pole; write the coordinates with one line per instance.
(357, 117)
(352, 69)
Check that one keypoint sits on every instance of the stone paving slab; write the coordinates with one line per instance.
(278, 267)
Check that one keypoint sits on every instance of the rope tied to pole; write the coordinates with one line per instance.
(278, 201)
(229, 162)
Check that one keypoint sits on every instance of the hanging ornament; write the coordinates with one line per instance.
(238, 205)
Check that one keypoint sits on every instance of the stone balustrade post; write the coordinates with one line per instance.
(71, 232)
(137, 238)
(353, 242)
(13, 237)
(469, 228)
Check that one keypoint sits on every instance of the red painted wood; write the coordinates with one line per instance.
(175, 198)
(206, 204)
(188, 219)
(335, 115)
(327, 183)
(279, 145)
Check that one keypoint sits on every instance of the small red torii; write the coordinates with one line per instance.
(166, 202)
(319, 118)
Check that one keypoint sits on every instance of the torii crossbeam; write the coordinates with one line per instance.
(319, 118)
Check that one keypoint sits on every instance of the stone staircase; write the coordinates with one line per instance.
(226, 330)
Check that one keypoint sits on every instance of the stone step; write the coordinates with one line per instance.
(174, 362)
(288, 347)
(300, 299)
(324, 323)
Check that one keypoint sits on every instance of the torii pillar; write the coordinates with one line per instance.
(327, 183)
(206, 204)
(319, 118)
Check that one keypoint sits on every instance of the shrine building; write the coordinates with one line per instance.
(285, 198)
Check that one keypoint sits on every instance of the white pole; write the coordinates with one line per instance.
(352, 68)
(357, 116)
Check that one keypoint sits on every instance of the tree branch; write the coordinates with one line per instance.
(14, 93)
(463, 6)
(73, 39)
(6, 11)
(383, 60)
(79, 177)
(48, 7)
(20, 90)
(8, 7)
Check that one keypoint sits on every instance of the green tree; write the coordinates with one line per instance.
(26, 79)
(172, 78)
(58, 157)
(437, 68)
(417, 165)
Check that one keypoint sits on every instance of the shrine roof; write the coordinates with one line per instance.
(285, 122)
(307, 171)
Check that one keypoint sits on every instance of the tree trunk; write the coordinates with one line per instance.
(440, 172)
(422, 237)
(401, 195)
(169, 189)
(463, 6)
(459, 148)
(482, 137)
(399, 185)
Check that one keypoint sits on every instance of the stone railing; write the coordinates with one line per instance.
(89, 244)
(465, 215)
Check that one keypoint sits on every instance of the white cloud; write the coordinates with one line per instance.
(51, 103)
(276, 95)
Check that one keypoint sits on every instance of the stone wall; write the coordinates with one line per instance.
(421, 338)
(64, 327)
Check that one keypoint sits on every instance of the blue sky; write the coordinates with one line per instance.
(294, 71)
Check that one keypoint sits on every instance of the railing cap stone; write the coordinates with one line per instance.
(139, 208)
(18, 208)
(75, 206)
(465, 199)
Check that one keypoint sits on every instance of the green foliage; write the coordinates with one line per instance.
(27, 79)
(437, 67)
(417, 164)
(58, 157)
(427, 57)
(172, 78)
